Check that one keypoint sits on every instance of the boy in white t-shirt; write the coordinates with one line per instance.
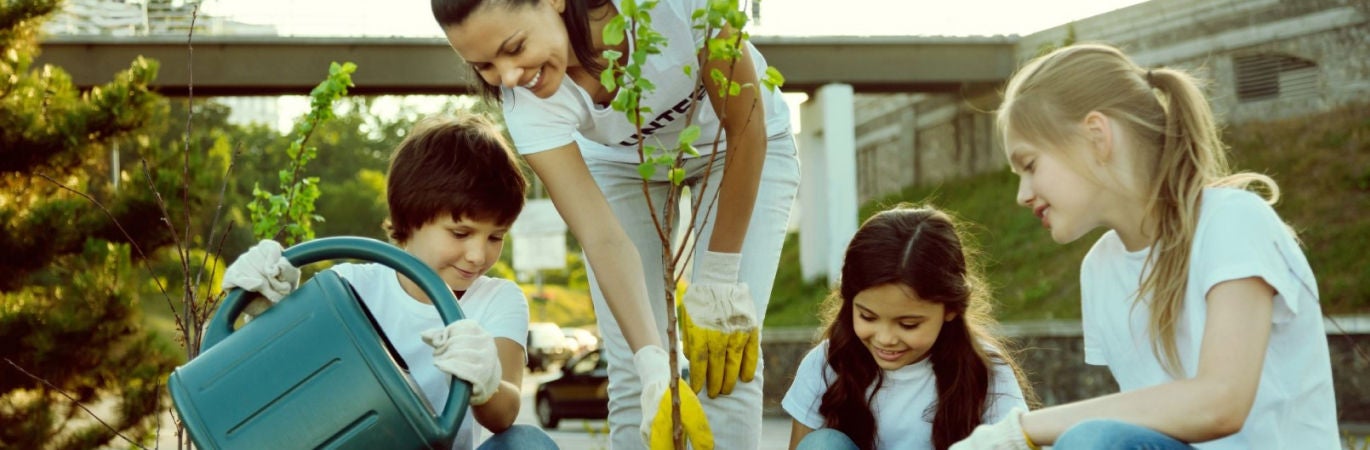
(453, 189)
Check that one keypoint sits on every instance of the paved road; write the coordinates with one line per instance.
(576, 434)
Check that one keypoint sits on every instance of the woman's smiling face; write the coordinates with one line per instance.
(513, 45)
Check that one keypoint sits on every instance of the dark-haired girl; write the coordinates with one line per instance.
(907, 361)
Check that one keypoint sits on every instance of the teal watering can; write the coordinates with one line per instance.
(314, 371)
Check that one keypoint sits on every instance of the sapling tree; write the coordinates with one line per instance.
(623, 76)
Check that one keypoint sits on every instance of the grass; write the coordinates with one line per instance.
(1322, 163)
(1323, 166)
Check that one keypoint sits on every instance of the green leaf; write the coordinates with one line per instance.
(689, 70)
(688, 136)
(677, 176)
(734, 89)
(718, 76)
(629, 8)
(773, 78)
(646, 169)
(614, 30)
(606, 78)
(737, 19)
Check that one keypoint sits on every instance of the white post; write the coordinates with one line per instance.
(828, 184)
(813, 252)
(839, 141)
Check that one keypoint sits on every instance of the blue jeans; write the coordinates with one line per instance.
(519, 437)
(826, 439)
(1101, 434)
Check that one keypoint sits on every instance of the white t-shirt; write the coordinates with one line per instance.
(569, 115)
(903, 407)
(1238, 236)
(499, 306)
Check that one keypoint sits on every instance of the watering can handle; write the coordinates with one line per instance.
(349, 247)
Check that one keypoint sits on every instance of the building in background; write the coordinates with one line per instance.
(1266, 59)
(117, 18)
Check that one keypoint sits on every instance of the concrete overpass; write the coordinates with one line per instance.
(831, 69)
(273, 65)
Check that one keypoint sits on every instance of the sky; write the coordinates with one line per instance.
(779, 17)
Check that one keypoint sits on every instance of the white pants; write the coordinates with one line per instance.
(735, 419)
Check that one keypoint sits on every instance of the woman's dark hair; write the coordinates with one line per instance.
(921, 249)
(450, 13)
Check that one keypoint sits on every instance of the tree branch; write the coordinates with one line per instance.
(76, 402)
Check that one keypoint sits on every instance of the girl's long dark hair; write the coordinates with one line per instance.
(919, 248)
(450, 13)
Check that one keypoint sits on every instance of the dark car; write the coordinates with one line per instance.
(582, 392)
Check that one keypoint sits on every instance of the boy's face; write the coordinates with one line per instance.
(458, 250)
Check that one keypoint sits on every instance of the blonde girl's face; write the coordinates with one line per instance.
(1069, 204)
(516, 46)
(460, 251)
(896, 326)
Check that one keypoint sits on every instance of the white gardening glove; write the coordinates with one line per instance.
(263, 270)
(654, 370)
(1007, 434)
(466, 351)
(719, 318)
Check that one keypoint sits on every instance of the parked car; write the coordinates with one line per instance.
(581, 392)
(580, 340)
(546, 346)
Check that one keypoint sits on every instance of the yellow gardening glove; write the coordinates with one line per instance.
(719, 318)
(654, 370)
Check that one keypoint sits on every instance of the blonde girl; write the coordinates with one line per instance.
(1197, 298)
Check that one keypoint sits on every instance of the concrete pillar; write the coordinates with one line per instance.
(828, 185)
(812, 185)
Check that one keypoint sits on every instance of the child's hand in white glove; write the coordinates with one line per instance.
(466, 351)
(1007, 434)
(263, 270)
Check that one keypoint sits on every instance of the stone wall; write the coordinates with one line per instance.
(912, 139)
(1053, 357)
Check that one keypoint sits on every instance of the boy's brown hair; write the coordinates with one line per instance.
(460, 166)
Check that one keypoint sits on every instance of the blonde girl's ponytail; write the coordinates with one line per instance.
(1192, 157)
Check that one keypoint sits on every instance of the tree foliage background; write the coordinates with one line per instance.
(90, 281)
(68, 315)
